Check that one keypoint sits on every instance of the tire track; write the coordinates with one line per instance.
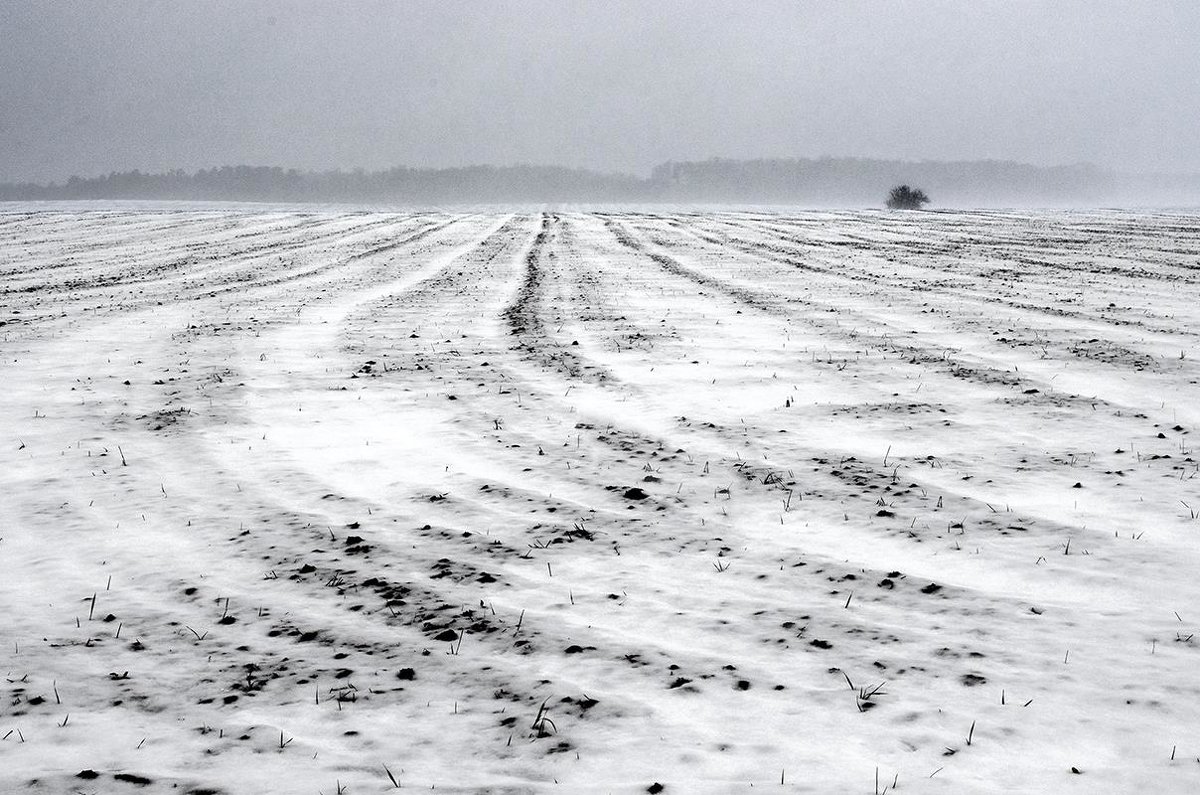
(525, 316)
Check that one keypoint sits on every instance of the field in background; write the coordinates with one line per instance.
(584, 502)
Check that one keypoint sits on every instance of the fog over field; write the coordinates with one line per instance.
(637, 397)
(94, 88)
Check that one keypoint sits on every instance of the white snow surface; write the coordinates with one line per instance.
(331, 501)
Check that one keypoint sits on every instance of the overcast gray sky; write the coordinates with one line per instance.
(92, 87)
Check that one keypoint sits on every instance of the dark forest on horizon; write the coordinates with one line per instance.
(818, 182)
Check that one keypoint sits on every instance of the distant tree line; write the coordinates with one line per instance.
(865, 182)
(854, 182)
(262, 183)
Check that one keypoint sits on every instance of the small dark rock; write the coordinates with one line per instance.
(133, 778)
(406, 674)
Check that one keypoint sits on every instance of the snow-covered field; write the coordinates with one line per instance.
(584, 502)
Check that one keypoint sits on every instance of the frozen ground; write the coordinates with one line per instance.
(586, 502)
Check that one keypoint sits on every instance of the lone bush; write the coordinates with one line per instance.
(903, 197)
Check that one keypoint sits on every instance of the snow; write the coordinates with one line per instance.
(854, 500)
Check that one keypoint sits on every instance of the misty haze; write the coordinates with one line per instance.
(668, 397)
